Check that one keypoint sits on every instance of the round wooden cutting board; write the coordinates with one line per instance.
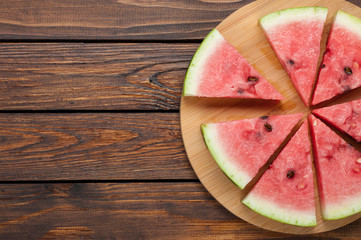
(241, 29)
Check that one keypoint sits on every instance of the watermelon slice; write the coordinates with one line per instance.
(241, 147)
(286, 191)
(218, 70)
(338, 167)
(340, 70)
(295, 36)
(346, 117)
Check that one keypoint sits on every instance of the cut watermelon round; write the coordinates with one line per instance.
(242, 147)
(286, 191)
(338, 167)
(295, 36)
(218, 70)
(340, 70)
(346, 117)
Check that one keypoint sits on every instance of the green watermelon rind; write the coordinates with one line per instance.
(198, 61)
(270, 24)
(337, 211)
(349, 22)
(349, 25)
(292, 14)
(237, 176)
(278, 213)
(341, 211)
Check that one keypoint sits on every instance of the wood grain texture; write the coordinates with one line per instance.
(92, 146)
(128, 76)
(112, 19)
(128, 211)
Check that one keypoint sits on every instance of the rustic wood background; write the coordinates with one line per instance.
(90, 142)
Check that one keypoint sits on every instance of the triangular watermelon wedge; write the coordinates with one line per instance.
(346, 117)
(218, 70)
(295, 36)
(340, 70)
(338, 167)
(285, 192)
(242, 147)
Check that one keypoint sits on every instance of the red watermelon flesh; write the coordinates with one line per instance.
(242, 147)
(346, 117)
(340, 70)
(338, 167)
(295, 36)
(219, 70)
(286, 191)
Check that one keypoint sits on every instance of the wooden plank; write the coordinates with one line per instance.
(92, 146)
(128, 76)
(128, 211)
(112, 19)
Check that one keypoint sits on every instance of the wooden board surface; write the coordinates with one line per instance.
(92, 146)
(242, 31)
(112, 19)
(93, 76)
(103, 54)
(130, 210)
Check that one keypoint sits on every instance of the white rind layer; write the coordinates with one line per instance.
(191, 82)
(239, 177)
(347, 208)
(349, 22)
(279, 213)
(289, 15)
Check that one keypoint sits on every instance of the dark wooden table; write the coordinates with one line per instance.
(90, 140)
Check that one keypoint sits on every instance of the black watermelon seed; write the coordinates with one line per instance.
(348, 70)
(264, 117)
(240, 91)
(323, 66)
(291, 174)
(253, 79)
(291, 62)
(268, 127)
